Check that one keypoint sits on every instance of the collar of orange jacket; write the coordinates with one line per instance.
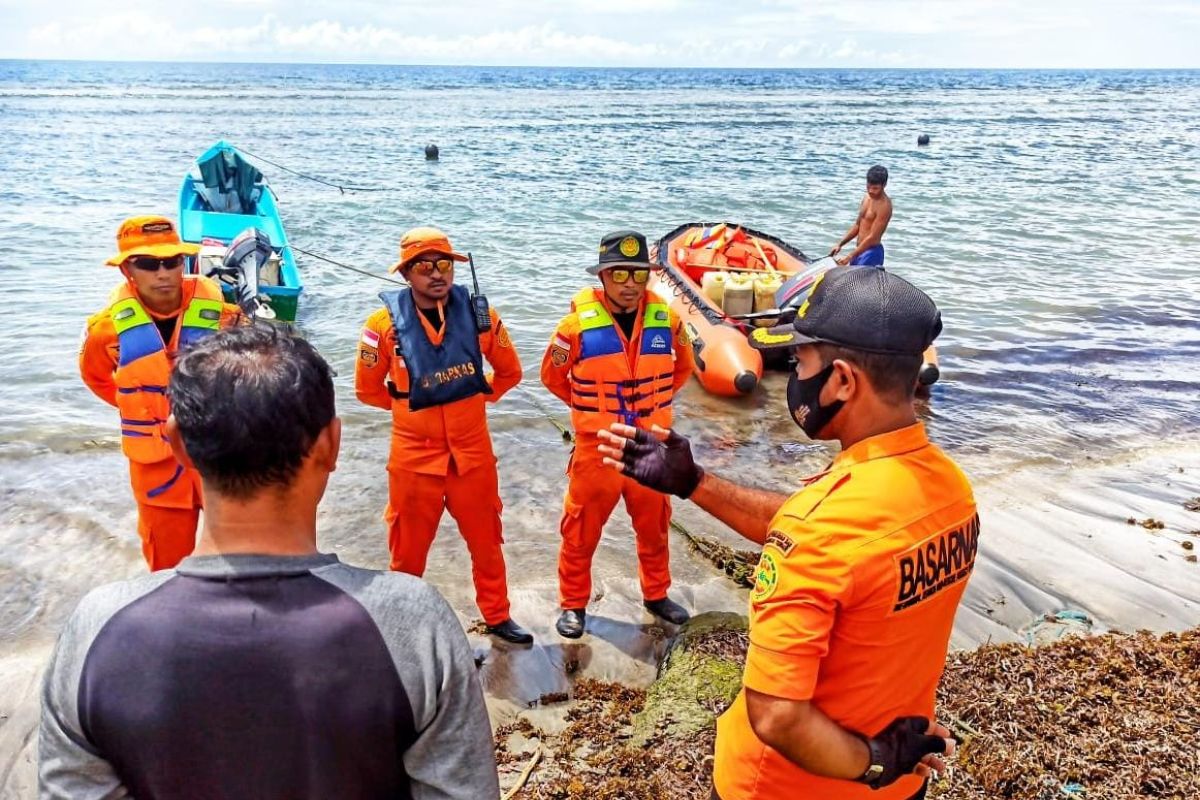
(893, 443)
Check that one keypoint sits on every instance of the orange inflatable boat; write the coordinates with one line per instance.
(723, 279)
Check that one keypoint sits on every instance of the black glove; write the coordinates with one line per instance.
(898, 749)
(665, 466)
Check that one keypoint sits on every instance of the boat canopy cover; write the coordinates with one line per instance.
(231, 184)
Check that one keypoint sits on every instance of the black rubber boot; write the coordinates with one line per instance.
(510, 631)
(571, 623)
(667, 609)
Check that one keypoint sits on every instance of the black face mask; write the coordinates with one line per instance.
(803, 400)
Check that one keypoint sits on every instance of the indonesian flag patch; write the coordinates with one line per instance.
(370, 338)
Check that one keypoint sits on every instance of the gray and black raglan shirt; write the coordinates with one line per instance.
(261, 676)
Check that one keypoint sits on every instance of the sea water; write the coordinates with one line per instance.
(1054, 218)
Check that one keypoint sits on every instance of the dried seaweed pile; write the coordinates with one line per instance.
(594, 756)
(1112, 716)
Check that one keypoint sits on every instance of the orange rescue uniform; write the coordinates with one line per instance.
(852, 607)
(168, 495)
(441, 458)
(606, 377)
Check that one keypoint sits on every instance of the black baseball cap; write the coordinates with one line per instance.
(862, 308)
(622, 249)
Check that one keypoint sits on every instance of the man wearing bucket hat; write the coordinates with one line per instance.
(862, 569)
(619, 356)
(125, 358)
(421, 357)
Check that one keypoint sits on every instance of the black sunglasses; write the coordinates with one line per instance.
(152, 264)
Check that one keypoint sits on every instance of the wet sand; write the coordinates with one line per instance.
(1054, 538)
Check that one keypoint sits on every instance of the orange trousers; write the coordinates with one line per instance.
(168, 534)
(415, 505)
(592, 493)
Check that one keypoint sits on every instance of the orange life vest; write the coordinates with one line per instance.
(144, 367)
(610, 384)
(720, 246)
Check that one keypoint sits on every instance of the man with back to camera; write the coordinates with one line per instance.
(874, 214)
(421, 357)
(261, 667)
(862, 569)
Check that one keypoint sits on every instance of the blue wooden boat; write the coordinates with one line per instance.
(221, 197)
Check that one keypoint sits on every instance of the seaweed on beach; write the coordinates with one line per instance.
(1111, 717)
(592, 757)
(621, 743)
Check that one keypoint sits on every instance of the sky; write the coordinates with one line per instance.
(619, 33)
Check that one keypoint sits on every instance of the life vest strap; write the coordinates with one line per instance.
(157, 490)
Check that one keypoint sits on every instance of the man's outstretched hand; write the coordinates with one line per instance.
(658, 459)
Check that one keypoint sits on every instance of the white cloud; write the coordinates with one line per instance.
(110, 36)
(754, 33)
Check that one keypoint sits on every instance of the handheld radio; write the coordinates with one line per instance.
(483, 315)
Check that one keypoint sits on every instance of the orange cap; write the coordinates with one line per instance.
(149, 235)
(419, 241)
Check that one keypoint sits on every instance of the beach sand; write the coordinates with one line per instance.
(1054, 538)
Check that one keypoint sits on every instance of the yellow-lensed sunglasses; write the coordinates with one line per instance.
(622, 275)
(426, 267)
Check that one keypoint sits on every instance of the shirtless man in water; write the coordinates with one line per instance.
(873, 217)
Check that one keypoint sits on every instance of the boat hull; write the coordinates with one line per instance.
(726, 364)
(199, 224)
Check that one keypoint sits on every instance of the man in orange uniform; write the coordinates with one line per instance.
(619, 356)
(421, 357)
(862, 569)
(125, 358)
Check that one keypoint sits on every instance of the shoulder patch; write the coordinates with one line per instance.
(766, 577)
(368, 356)
(502, 335)
(781, 542)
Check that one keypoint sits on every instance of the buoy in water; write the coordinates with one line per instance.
(923, 139)
(431, 152)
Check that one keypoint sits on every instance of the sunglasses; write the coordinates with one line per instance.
(622, 275)
(426, 268)
(152, 264)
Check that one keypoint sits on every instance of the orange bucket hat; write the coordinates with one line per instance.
(419, 241)
(149, 235)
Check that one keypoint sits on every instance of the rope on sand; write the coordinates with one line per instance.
(525, 773)
(739, 565)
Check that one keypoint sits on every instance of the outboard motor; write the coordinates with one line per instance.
(246, 255)
(794, 291)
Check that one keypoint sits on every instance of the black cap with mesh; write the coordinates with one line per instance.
(864, 308)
